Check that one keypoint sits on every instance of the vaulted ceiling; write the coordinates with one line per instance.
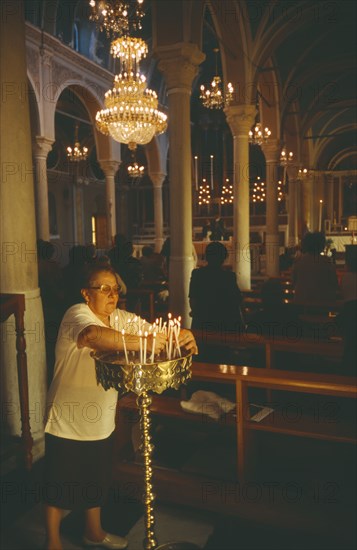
(305, 48)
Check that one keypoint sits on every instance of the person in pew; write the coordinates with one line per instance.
(215, 300)
(347, 320)
(276, 319)
(153, 265)
(128, 268)
(80, 418)
(313, 276)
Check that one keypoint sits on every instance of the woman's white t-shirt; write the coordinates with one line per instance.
(77, 406)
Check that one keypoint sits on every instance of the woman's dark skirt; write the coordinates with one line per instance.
(77, 473)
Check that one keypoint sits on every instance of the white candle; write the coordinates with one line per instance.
(170, 335)
(320, 214)
(176, 333)
(145, 346)
(196, 173)
(124, 345)
(116, 323)
(140, 346)
(153, 347)
(211, 172)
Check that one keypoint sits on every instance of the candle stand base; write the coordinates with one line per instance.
(113, 371)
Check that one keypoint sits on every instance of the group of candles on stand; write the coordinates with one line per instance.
(171, 328)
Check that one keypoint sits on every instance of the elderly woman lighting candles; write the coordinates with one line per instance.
(80, 413)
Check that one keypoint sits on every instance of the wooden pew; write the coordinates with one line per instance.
(178, 486)
(329, 349)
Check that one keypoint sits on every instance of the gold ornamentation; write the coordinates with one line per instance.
(113, 372)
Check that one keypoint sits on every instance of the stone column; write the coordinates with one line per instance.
(240, 119)
(330, 210)
(306, 191)
(271, 150)
(157, 179)
(293, 238)
(42, 147)
(179, 64)
(340, 199)
(110, 168)
(19, 273)
(122, 208)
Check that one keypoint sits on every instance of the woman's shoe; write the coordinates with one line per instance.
(114, 542)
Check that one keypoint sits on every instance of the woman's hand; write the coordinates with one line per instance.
(187, 341)
(160, 341)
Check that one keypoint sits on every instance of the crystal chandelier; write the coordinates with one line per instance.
(114, 16)
(131, 115)
(227, 193)
(135, 170)
(258, 134)
(214, 97)
(77, 153)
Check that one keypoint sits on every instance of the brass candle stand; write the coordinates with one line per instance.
(113, 371)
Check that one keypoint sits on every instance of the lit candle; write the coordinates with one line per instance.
(320, 214)
(196, 173)
(124, 345)
(153, 346)
(170, 335)
(211, 172)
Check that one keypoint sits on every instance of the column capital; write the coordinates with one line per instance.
(179, 64)
(42, 146)
(157, 178)
(271, 150)
(240, 118)
(109, 167)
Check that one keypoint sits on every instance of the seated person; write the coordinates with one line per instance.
(313, 275)
(275, 319)
(129, 268)
(153, 265)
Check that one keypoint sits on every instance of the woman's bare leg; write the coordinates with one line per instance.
(53, 517)
(93, 528)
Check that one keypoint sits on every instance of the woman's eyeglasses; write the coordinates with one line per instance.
(107, 289)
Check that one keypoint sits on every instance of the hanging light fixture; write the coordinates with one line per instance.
(286, 158)
(258, 134)
(214, 97)
(131, 112)
(303, 173)
(131, 115)
(135, 170)
(114, 16)
(77, 153)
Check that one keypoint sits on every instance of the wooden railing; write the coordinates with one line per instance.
(15, 304)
